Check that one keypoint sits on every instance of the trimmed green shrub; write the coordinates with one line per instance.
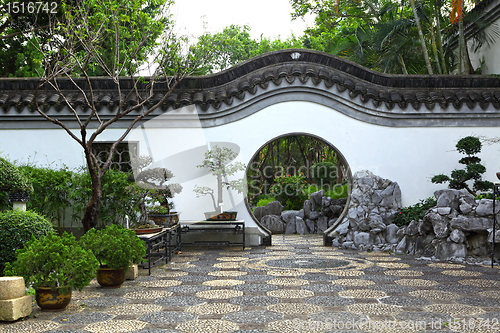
(17, 228)
(12, 180)
(324, 173)
(54, 262)
(338, 192)
(416, 212)
(114, 247)
(265, 202)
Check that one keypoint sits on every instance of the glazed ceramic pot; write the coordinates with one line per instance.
(49, 300)
(110, 278)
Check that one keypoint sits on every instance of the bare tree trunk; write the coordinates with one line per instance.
(89, 219)
(421, 36)
(440, 38)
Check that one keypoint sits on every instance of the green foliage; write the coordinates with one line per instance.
(234, 45)
(52, 191)
(17, 228)
(290, 191)
(339, 191)
(324, 173)
(416, 212)
(54, 261)
(114, 247)
(265, 202)
(473, 168)
(12, 180)
(158, 210)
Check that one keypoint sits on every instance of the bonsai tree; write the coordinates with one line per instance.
(114, 247)
(218, 161)
(55, 262)
(152, 187)
(473, 171)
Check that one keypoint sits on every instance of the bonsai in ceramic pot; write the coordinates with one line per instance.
(54, 266)
(155, 191)
(115, 248)
(218, 161)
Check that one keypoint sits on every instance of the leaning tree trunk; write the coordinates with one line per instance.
(421, 36)
(89, 220)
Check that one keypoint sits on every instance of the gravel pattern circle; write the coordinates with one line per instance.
(323, 288)
(480, 283)
(416, 283)
(148, 294)
(207, 326)
(491, 294)
(255, 287)
(103, 301)
(374, 309)
(454, 309)
(134, 308)
(187, 288)
(441, 278)
(235, 274)
(219, 294)
(353, 282)
(155, 330)
(167, 317)
(392, 288)
(286, 272)
(201, 269)
(223, 283)
(168, 274)
(461, 273)
(194, 278)
(403, 272)
(362, 293)
(160, 283)
(329, 301)
(287, 282)
(298, 326)
(345, 273)
(295, 308)
(434, 294)
(213, 308)
(445, 265)
(83, 318)
(115, 326)
(254, 300)
(179, 301)
(405, 301)
(257, 317)
(305, 262)
(290, 293)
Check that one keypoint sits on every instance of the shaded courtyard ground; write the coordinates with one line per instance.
(296, 285)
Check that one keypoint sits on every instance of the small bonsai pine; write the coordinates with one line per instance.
(218, 161)
(473, 171)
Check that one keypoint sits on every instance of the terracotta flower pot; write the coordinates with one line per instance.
(110, 278)
(49, 300)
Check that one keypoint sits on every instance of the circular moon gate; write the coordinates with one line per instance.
(341, 160)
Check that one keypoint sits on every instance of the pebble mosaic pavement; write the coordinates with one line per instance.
(296, 285)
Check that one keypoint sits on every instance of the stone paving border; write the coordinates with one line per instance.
(296, 285)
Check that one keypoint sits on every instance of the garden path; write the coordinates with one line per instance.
(296, 285)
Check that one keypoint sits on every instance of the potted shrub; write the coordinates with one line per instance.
(154, 188)
(53, 266)
(115, 248)
(218, 161)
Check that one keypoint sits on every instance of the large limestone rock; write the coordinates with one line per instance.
(300, 225)
(272, 208)
(273, 223)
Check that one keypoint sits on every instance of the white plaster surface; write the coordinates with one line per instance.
(410, 156)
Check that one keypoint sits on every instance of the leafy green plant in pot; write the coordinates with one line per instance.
(115, 248)
(54, 266)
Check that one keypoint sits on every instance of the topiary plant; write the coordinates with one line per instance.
(56, 262)
(17, 228)
(114, 247)
(12, 180)
(474, 170)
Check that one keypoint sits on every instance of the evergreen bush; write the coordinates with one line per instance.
(405, 215)
(17, 228)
